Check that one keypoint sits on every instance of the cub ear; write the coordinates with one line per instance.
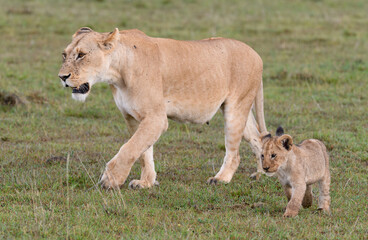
(286, 141)
(265, 136)
(82, 30)
(111, 40)
(279, 131)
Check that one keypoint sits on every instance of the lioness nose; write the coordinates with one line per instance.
(266, 168)
(64, 77)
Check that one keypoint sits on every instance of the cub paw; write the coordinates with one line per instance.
(325, 210)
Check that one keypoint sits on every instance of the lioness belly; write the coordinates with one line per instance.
(191, 111)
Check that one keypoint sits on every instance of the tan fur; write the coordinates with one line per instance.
(153, 79)
(298, 167)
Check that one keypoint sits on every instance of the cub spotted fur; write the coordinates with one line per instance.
(297, 167)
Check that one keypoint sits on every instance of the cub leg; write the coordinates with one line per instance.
(235, 120)
(252, 135)
(295, 202)
(308, 197)
(324, 200)
(324, 194)
(287, 190)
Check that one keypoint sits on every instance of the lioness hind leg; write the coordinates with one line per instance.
(308, 197)
(252, 135)
(235, 121)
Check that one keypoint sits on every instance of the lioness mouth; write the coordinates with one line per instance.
(84, 88)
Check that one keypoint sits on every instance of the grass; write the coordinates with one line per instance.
(52, 149)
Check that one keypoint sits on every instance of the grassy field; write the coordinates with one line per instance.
(53, 149)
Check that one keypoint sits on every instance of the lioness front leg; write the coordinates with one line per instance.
(148, 173)
(298, 191)
(147, 133)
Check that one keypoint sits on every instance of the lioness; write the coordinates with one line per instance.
(153, 79)
(298, 167)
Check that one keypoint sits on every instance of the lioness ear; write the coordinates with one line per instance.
(286, 141)
(111, 40)
(82, 30)
(265, 136)
(279, 131)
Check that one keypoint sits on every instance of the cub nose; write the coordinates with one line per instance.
(266, 168)
(64, 77)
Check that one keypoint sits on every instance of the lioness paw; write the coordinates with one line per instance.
(215, 181)
(289, 213)
(212, 181)
(138, 184)
(107, 181)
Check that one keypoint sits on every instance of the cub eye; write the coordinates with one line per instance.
(80, 55)
(262, 156)
(64, 56)
(273, 155)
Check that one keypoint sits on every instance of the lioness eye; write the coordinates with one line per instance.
(80, 55)
(262, 156)
(273, 155)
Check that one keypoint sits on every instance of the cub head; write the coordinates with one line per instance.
(275, 151)
(86, 60)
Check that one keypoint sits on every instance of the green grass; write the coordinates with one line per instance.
(315, 84)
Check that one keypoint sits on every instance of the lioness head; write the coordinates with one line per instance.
(275, 151)
(86, 60)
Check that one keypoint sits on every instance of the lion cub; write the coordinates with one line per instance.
(297, 167)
